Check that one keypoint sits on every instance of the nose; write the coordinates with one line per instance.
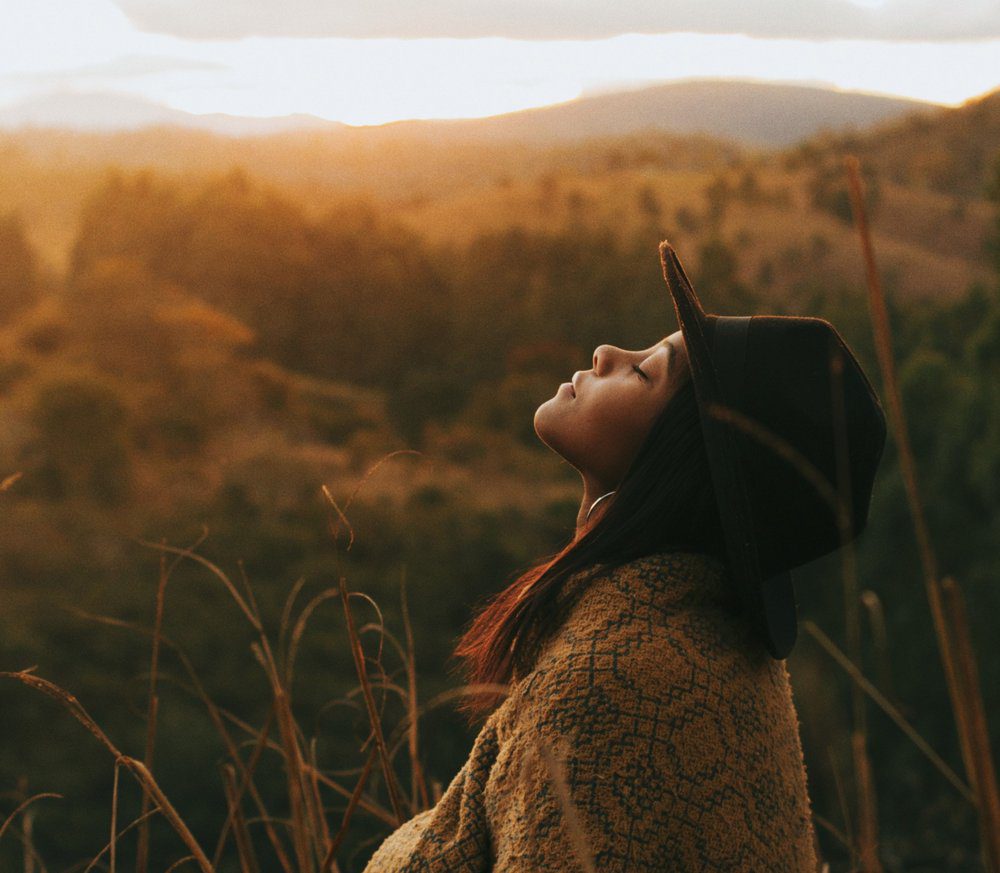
(603, 354)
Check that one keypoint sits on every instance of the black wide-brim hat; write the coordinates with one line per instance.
(794, 434)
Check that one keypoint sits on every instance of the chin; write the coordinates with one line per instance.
(547, 423)
(539, 421)
(543, 423)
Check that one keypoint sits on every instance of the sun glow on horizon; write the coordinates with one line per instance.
(89, 46)
(363, 82)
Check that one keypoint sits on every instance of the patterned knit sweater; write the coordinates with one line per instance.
(652, 734)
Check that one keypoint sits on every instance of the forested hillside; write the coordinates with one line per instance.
(950, 151)
(196, 334)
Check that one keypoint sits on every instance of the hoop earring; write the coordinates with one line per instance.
(599, 499)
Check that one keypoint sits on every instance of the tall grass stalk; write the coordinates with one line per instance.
(374, 718)
(218, 717)
(21, 807)
(418, 787)
(27, 837)
(107, 848)
(863, 779)
(136, 768)
(983, 781)
(880, 640)
(954, 643)
(247, 784)
(329, 863)
(571, 818)
(303, 843)
(152, 712)
(838, 784)
(113, 843)
(244, 845)
(888, 708)
(833, 830)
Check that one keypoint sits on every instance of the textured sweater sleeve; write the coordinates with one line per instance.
(452, 836)
(581, 780)
(650, 734)
(638, 744)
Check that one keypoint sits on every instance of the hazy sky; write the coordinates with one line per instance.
(369, 61)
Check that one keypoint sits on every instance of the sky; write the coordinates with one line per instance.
(373, 61)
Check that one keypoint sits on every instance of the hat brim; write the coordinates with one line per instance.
(770, 602)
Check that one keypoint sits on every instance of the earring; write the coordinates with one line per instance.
(599, 499)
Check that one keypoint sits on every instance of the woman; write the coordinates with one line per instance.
(649, 723)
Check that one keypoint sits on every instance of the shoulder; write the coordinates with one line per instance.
(660, 636)
(676, 600)
(654, 697)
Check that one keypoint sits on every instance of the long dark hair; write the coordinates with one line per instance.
(664, 502)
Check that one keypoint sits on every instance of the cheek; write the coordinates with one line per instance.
(632, 425)
(617, 415)
(616, 427)
(600, 433)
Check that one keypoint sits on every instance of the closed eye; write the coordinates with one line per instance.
(640, 371)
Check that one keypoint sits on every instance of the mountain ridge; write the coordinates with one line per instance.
(91, 112)
(752, 113)
(739, 110)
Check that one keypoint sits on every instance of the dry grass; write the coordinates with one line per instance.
(308, 841)
(947, 609)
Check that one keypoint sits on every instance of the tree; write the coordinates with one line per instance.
(828, 190)
(748, 188)
(81, 441)
(993, 192)
(649, 203)
(687, 219)
(19, 282)
(717, 276)
(548, 191)
(717, 194)
(350, 296)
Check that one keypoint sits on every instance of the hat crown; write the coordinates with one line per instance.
(809, 432)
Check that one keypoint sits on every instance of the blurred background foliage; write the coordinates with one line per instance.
(203, 352)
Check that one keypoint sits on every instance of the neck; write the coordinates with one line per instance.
(592, 492)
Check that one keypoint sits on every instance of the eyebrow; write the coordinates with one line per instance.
(671, 351)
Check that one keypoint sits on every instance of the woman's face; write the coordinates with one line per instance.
(598, 421)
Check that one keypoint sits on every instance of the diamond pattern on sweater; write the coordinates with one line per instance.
(675, 733)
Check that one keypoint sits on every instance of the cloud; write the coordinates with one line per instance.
(125, 67)
(908, 20)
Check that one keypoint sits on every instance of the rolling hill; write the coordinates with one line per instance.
(451, 181)
(949, 150)
(757, 114)
(110, 112)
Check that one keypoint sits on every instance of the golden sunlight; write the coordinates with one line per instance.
(66, 46)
